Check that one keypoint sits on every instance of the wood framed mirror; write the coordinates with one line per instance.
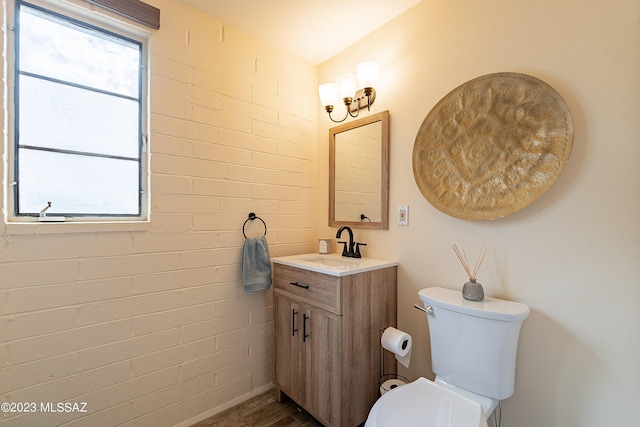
(359, 173)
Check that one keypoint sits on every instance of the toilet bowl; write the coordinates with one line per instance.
(424, 403)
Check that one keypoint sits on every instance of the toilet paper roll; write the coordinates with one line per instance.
(389, 385)
(399, 343)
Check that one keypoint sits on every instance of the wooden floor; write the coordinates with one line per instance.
(262, 411)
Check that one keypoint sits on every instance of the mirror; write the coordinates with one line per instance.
(359, 173)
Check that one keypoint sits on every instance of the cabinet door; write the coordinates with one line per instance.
(289, 354)
(321, 333)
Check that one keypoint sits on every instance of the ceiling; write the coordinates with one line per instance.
(313, 30)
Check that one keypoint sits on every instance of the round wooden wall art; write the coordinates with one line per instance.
(492, 146)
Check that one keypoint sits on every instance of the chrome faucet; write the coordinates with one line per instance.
(348, 250)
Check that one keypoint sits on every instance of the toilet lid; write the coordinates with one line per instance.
(423, 403)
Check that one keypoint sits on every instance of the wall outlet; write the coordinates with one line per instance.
(403, 215)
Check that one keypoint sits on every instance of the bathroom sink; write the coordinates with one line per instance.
(333, 264)
(343, 262)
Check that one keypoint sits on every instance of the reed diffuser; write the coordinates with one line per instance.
(472, 290)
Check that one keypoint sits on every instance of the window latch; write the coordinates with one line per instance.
(44, 218)
(43, 212)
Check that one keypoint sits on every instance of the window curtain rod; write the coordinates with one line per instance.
(132, 9)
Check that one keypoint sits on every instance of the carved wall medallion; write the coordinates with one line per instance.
(492, 146)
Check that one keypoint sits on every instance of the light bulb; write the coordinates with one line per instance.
(328, 94)
(347, 85)
(368, 73)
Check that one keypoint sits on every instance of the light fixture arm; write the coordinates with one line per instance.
(352, 105)
(363, 98)
(348, 105)
(329, 110)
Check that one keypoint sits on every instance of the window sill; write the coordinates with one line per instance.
(75, 227)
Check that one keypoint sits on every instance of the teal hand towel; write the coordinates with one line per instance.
(256, 264)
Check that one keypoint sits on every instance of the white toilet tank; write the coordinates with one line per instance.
(474, 344)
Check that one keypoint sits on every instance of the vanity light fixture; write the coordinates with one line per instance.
(346, 88)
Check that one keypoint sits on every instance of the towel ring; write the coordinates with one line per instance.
(253, 216)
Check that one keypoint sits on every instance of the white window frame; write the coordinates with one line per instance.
(108, 23)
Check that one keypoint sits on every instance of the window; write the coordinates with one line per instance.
(79, 117)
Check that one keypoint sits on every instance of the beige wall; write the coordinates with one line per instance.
(153, 327)
(574, 255)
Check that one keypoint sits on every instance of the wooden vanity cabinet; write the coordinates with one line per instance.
(327, 340)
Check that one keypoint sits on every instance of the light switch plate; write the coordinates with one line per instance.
(403, 215)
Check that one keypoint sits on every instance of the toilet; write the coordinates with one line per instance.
(473, 354)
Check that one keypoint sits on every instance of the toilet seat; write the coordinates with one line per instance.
(424, 403)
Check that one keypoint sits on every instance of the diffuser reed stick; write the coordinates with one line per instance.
(462, 256)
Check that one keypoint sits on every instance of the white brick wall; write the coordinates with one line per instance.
(153, 327)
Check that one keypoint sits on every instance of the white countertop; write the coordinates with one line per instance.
(333, 264)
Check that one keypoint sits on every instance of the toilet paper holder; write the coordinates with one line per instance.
(382, 355)
(384, 376)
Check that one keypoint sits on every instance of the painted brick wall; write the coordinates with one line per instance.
(153, 327)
